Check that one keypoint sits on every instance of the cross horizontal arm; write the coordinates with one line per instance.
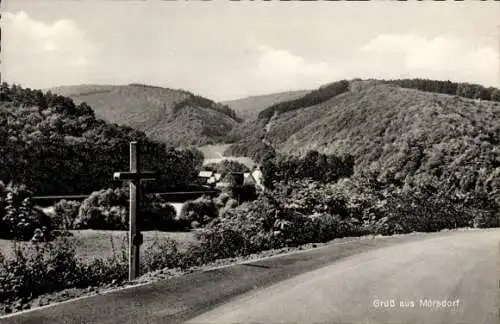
(145, 175)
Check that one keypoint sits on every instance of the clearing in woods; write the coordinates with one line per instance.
(214, 151)
(215, 154)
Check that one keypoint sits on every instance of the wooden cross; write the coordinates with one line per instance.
(134, 176)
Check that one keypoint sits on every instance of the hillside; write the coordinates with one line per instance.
(249, 108)
(174, 117)
(53, 146)
(395, 132)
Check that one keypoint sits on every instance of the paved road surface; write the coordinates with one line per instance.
(399, 284)
(334, 284)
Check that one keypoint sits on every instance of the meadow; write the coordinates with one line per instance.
(94, 244)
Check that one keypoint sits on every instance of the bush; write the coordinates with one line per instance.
(38, 269)
(308, 197)
(430, 206)
(264, 224)
(104, 210)
(221, 242)
(245, 192)
(108, 210)
(65, 214)
(49, 267)
(486, 219)
(314, 166)
(222, 199)
(231, 203)
(20, 218)
(201, 210)
(326, 226)
(161, 254)
(159, 215)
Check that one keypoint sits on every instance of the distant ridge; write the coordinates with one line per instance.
(249, 107)
(176, 117)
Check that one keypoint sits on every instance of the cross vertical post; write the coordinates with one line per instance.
(134, 176)
(133, 254)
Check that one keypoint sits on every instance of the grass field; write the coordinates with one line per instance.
(95, 243)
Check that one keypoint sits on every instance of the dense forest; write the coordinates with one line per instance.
(53, 146)
(466, 90)
(326, 92)
(195, 100)
(315, 97)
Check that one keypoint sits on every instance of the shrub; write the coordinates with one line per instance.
(231, 203)
(264, 224)
(429, 207)
(65, 214)
(308, 197)
(486, 219)
(159, 215)
(221, 242)
(201, 210)
(245, 192)
(222, 199)
(38, 269)
(326, 226)
(20, 217)
(104, 210)
(314, 166)
(159, 255)
(108, 210)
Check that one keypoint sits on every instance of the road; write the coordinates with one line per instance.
(452, 279)
(339, 283)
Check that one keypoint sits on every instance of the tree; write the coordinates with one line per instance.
(495, 95)
(269, 170)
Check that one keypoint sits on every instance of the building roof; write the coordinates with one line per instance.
(205, 174)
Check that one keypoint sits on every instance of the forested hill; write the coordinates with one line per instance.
(395, 133)
(55, 146)
(328, 91)
(176, 117)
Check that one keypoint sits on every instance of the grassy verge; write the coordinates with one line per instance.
(79, 264)
(92, 244)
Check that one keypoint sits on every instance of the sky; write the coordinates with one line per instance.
(226, 50)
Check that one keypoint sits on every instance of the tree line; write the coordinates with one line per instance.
(466, 90)
(324, 93)
(315, 166)
(315, 97)
(194, 100)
